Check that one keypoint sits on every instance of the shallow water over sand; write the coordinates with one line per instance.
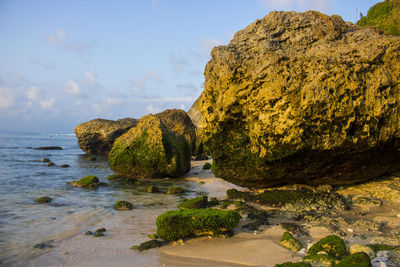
(23, 177)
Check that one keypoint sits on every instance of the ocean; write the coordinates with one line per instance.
(25, 224)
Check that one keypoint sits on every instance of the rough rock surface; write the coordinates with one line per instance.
(97, 136)
(303, 98)
(196, 117)
(179, 122)
(150, 150)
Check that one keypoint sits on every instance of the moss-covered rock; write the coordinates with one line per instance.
(303, 98)
(382, 247)
(149, 245)
(206, 166)
(385, 16)
(179, 122)
(177, 224)
(359, 259)
(333, 245)
(64, 166)
(289, 242)
(354, 248)
(121, 179)
(175, 190)
(293, 264)
(320, 260)
(213, 202)
(90, 182)
(123, 205)
(97, 136)
(195, 203)
(44, 199)
(150, 150)
(50, 164)
(153, 189)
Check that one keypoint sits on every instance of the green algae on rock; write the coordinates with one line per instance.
(178, 224)
(289, 242)
(149, 245)
(175, 190)
(150, 150)
(359, 259)
(293, 264)
(206, 166)
(152, 189)
(123, 205)
(320, 260)
(385, 16)
(90, 182)
(44, 199)
(97, 136)
(333, 245)
(195, 203)
(303, 98)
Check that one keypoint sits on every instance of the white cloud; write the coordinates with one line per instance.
(151, 76)
(298, 5)
(182, 107)
(72, 88)
(91, 78)
(60, 39)
(178, 63)
(32, 93)
(115, 101)
(151, 109)
(208, 44)
(6, 98)
(50, 65)
(57, 38)
(47, 103)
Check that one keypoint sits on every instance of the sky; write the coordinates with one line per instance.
(64, 62)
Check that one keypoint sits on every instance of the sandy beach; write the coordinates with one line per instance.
(245, 248)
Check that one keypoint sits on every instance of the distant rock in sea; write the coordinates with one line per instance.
(303, 98)
(97, 136)
(48, 148)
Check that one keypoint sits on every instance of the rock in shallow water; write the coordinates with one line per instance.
(97, 136)
(150, 150)
(303, 98)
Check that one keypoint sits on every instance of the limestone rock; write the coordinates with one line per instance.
(179, 122)
(303, 98)
(354, 248)
(150, 150)
(97, 136)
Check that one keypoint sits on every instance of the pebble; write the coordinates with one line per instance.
(379, 262)
(383, 254)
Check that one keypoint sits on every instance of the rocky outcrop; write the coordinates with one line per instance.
(97, 136)
(195, 115)
(179, 122)
(150, 150)
(303, 98)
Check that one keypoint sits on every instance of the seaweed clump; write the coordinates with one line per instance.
(178, 224)
(195, 203)
(90, 182)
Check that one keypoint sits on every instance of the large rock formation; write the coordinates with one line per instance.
(385, 16)
(97, 136)
(196, 117)
(150, 150)
(179, 122)
(303, 98)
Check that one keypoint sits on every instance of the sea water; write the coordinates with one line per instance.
(23, 177)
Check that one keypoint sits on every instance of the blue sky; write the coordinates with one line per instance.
(63, 62)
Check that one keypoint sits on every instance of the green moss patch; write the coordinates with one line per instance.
(123, 205)
(175, 190)
(177, 224)
(195, 203)
(320, 260)
(293, 264)
(153, 189)
(89, 182)
(359, 259)
(207, 166)
(44, 199)
(289, 242)
(333, 245)
(384, 16)
(149, 245)
(381, 247)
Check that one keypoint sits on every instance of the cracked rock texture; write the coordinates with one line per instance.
(303, 98)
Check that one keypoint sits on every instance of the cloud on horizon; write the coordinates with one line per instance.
(151, 76)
